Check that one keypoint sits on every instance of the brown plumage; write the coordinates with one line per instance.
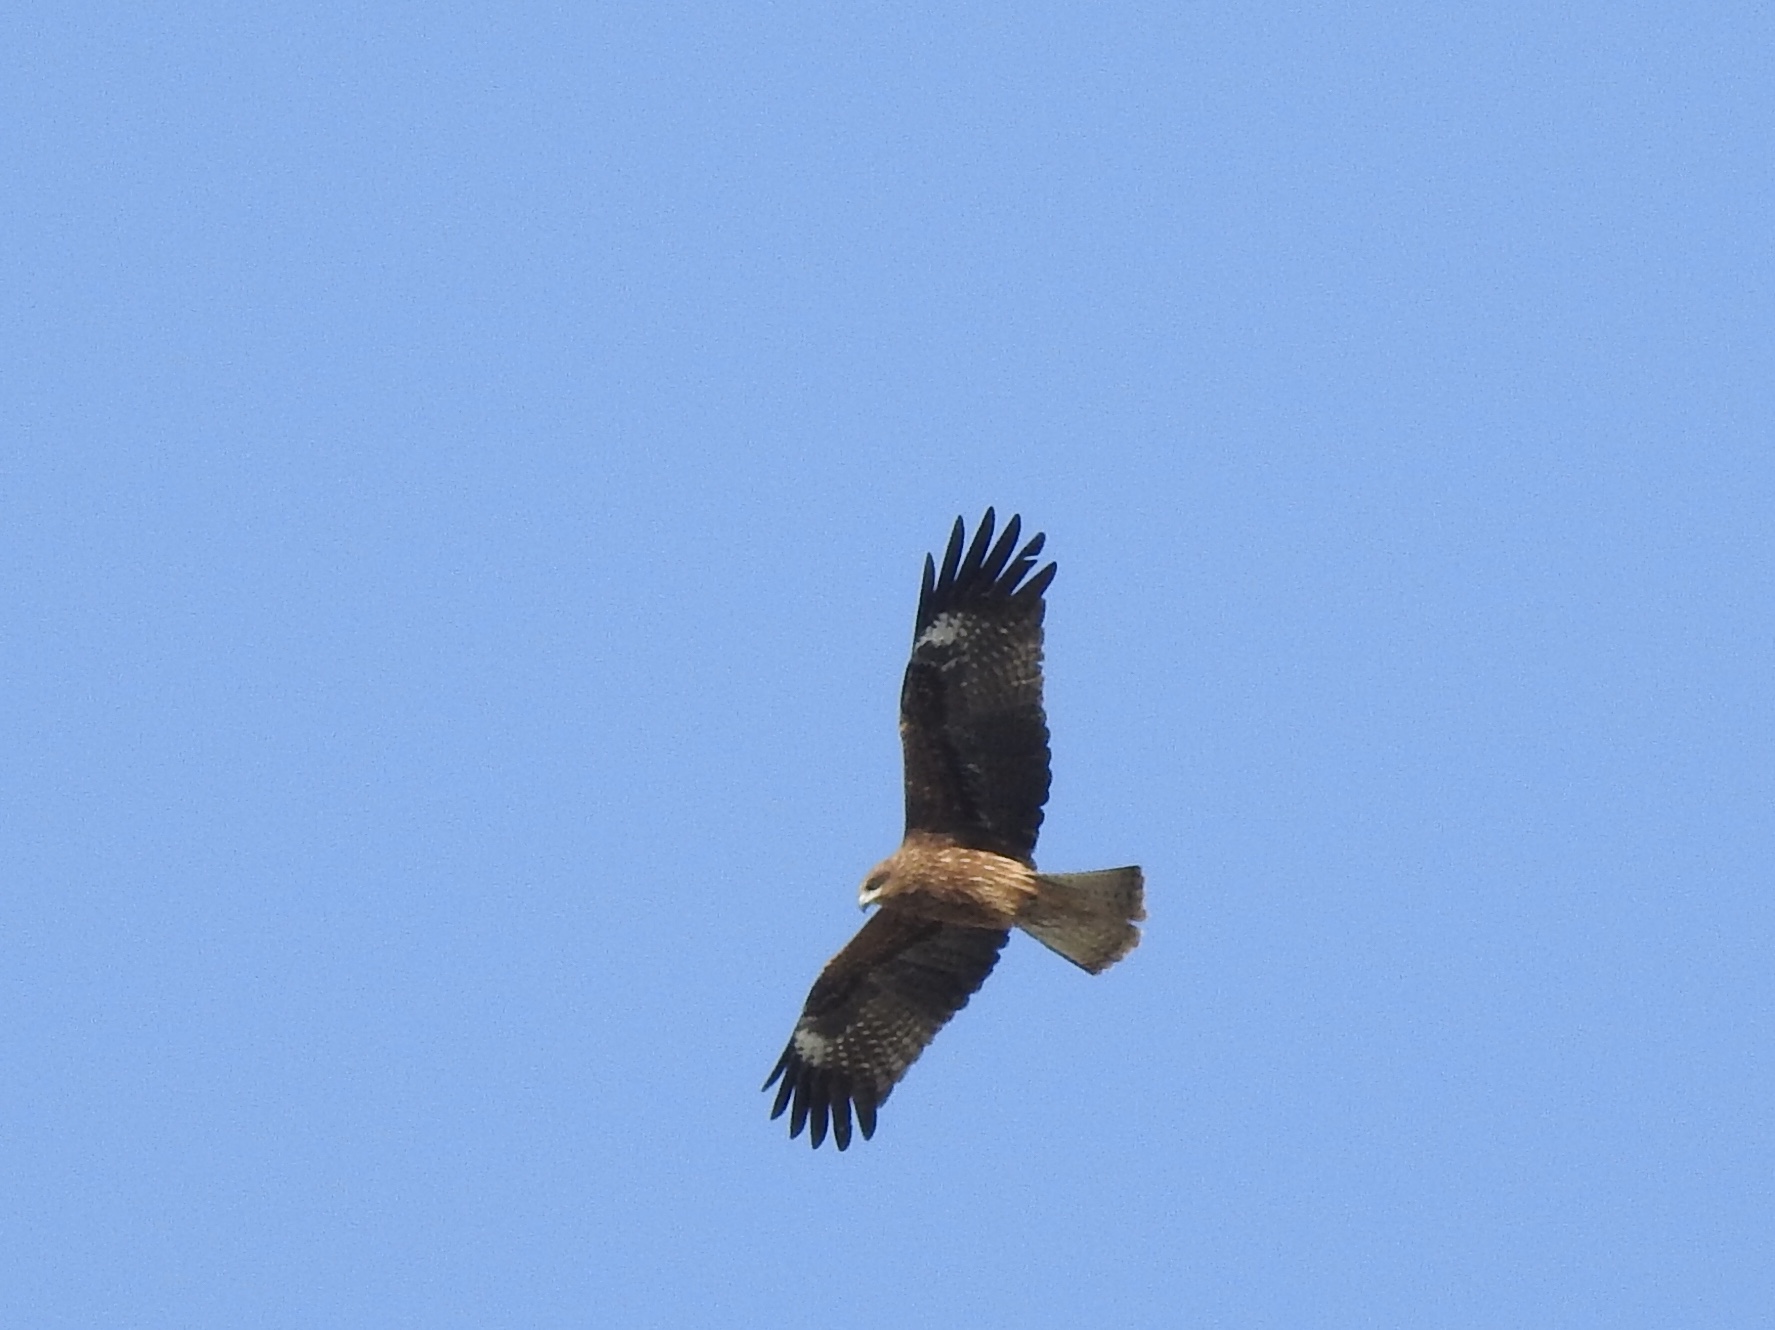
(975, 740)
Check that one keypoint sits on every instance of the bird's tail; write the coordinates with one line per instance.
(1088, 918)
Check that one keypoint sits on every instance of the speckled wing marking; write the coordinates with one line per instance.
(872, 1011)
(972, 727)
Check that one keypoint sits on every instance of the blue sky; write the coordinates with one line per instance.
(464, 481)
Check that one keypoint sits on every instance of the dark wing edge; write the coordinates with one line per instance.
(875, 1007)
(983, 576)
(972, 724)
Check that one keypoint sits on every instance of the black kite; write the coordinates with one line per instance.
(975, 740)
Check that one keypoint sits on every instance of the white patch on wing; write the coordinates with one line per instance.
(944, 629)
(810, 1047)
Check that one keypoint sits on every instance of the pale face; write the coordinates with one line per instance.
(873, 885)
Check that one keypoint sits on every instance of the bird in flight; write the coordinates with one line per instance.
(975, 740)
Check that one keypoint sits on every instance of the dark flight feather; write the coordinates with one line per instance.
(972, 727)
(873, 1010)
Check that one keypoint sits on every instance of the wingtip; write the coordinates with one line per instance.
(819, 1101)
(974, 562)
(981, 568)
(952, 555)
(841, 1116)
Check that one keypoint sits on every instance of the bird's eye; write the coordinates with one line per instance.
(876, 882)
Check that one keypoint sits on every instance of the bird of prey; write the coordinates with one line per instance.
(975, 740)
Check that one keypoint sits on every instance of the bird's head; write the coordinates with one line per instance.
(875, 885)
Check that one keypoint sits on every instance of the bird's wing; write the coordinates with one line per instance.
(971, 720)
(870, 1014)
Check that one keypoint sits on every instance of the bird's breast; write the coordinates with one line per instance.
(957, 885)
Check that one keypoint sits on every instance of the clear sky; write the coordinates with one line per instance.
(464, 474)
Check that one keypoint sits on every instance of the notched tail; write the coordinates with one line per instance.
(1088, 918)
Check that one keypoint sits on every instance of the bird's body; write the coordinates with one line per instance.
(934, 878)
(976, 747)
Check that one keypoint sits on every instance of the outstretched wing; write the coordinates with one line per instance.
(971, 720)
(870, 1014)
